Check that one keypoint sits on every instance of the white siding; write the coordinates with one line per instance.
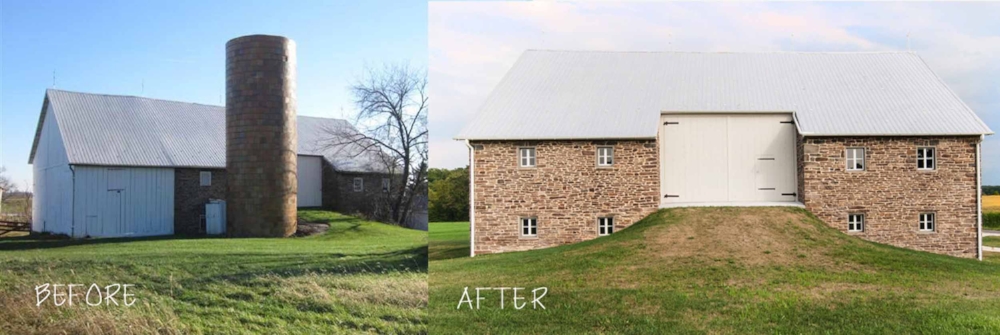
(123, 201)
(53, 180)
(310, 174)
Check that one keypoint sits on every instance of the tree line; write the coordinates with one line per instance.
(448, 194)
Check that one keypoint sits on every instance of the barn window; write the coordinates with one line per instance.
(385, 184)
(605, 156)
(926, 221)
(605, 226)
(206, 178)
(529, 227)
(925, 158)
(855, 159)
(527, 157)
(359, 184)
(855, 223)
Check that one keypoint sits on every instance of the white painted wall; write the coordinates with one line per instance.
(727, 158)
(53, 181)
(310, 176)
(123, 201)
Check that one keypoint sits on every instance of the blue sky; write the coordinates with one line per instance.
(175, 49)
(472, 45)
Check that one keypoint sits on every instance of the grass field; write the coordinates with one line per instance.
(991, 241)
(449, 240)
(358, 277)
(719, 270)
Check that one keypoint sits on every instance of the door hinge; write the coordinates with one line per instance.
(788, 122)
(791, 194)
(671, 196)
(669, 123)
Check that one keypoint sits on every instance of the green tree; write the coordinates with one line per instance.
(448, 194)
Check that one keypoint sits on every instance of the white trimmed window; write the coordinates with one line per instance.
(529, 227)
(385, 184)
(925, 158)
(855, 159)
(926, 221)
(205, 178)
(855, 223)
(605, 156)
(605, 226)
(359, 184)
(527, 157)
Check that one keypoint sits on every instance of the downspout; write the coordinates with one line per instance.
(72, 204)
(979, 198)
(472, 199)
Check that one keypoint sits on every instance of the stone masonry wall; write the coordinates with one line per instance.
(891, 192)
(339, 194)
(566, 191)
(190, 198)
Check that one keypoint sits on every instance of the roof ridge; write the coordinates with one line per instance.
(131, 96)
(720, 52)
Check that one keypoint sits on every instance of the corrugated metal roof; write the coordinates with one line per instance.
(117, 130)
(592, 94)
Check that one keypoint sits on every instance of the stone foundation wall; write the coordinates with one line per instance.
(891, 192)
(190, 198)
(566, 191)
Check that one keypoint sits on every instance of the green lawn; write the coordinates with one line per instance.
(991, 241)
(358, 277)
(448, 240)
(719, 270)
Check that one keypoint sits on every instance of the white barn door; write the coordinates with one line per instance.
(123, 201)
(727, 158)
(310, 176)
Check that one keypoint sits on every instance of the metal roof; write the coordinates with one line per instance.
(594, 94)
(116, 130)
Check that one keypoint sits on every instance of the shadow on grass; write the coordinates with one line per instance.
(449, 251)
(36, 241)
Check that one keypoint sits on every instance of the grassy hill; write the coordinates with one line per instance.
(721, 270)
(358, 277)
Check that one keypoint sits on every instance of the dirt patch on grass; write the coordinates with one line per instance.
(750, 236)
(310, 228)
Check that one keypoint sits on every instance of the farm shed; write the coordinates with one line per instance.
(572, 145)
(112, 165)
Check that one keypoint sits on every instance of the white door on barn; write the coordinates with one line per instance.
(310, 181)
(727, 158)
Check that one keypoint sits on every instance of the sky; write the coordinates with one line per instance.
(175, 50)
(472, 45)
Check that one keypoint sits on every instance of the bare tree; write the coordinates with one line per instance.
(391, 123)
(6, 184)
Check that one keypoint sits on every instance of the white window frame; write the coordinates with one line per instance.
(927, 222)
(527, 157)
(852, 160)
(385, 184)
(359, 184)
(856, 223)
(205, 178)
(529, 226)
(605, 226)
(605, 155)
(932, 159)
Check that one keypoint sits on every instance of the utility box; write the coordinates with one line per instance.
(215, 217)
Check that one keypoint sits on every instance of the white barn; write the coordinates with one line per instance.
(113, 166)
